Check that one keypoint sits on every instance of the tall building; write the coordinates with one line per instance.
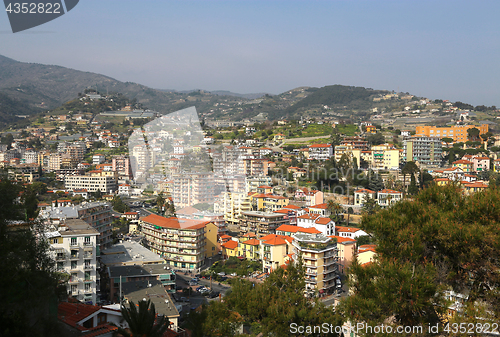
(121, 165)
(320, 256)
(182, 243)
(232, 204)
(457, 132)
(425, 150)
(193, 188)
(74, 247)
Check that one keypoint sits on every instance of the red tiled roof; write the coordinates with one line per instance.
(172, 222)
(101, 330)
(231, 244)
(323, 221)
(130, 213)
(364, 190)
(253, 242)
(292, 207)
(390, 191)
(72, 313)
(320, 206)
(462, 161)
(341, 239)
(320, 145)
(225, 236)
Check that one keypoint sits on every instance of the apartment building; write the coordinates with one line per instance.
(255, 167)
(320, 256)
(361, 195)
(384, 157)
(320, 151)
(387, 197)
(457, 132)
(232, 204)
(91, 182)
(275, 250)
(96, 214)
(261, 223)
(193, 188)
(74, 247)
(181, 242)
(121, 165)
(268, 202)
(426, 150)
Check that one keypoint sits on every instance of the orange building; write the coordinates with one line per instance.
(458, 132)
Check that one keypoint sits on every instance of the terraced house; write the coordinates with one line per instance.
(181, 242)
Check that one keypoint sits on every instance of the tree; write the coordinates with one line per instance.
(443, 240)
(160, 202)
(409, 168)
(142, 321)
(278, 302)
(447, 140)
(375, 182)
(119, 205)
(335, 210)
(29, 282)
(473, 134)
(370, 205)
(376, 139)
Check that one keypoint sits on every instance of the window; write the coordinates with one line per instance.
(87, 240)
(73, 288)
(87, 264)
(88, 286)
(55, 240)
(73, 241)
(87, 276)
(60, 265)
(73, 264)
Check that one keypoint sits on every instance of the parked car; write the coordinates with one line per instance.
(233, 274)
(221, 273)
(339, 283)
(199, 288)
(213, 294)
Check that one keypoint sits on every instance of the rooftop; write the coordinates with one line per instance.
(140, 270)
(128, 253)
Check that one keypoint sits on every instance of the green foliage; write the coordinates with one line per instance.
(142, 321)
(370, 205)
(119, 205)
(376, 138)
(442, 240)
(271, 306)
(376, 183)
(29, 283)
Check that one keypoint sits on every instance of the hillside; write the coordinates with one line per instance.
(42, 87)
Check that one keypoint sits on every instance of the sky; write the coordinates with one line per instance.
(435, 49)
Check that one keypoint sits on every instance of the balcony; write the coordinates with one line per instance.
(74, 280)
(88, 267)
(74, 256)
(61, 257)
(88, 244)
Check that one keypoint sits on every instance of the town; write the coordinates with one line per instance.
(176, 208)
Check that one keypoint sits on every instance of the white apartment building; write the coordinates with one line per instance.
(232, 204)
(74, 247)
(320, 151)
(105, 184)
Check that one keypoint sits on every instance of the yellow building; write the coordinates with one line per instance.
(320, 256)
(349, 150)
(268, 202)
(211, 230)
(249, 249)
(230, 248)
(371, 129)
(384, 157)
(279, 137)
(457, 132)
(274, 251)
(442, 181)
(464, 165)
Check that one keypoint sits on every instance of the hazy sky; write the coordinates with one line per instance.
(437, 49)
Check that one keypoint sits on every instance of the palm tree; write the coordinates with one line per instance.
(334, 208)
(160, 202)
(142, 321)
